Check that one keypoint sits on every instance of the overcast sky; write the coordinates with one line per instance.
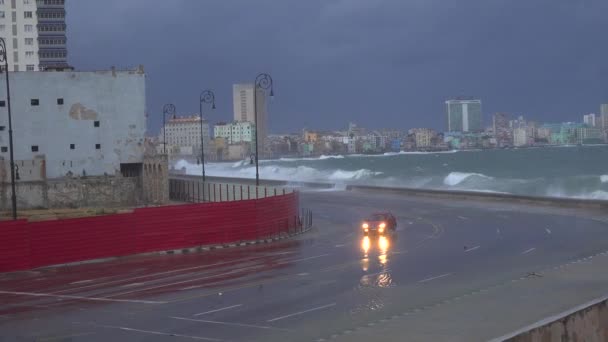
(380, 63)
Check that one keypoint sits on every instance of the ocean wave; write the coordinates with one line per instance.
(604, 178)
(455, 178)
(339, 156)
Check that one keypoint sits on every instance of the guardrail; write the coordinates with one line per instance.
(195, 191)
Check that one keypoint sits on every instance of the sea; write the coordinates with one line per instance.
(565, 171)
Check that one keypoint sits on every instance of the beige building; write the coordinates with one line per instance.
(243, 103)
(424, 136)
(184, 135)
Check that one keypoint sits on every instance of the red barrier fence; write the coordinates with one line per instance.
(25, 245)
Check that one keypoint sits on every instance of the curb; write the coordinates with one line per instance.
(190, 250)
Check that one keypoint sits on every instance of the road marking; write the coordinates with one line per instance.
(98, 299)
(132, 284)
(463, 218)
(227, 323)
(301, 312)
(218, 310)
(471, 249)
(548, 230)
(153, 332)
(303, 259)
(433, 278)
(167, 272)
(303, 274)
(180, 282)
(528, 251)
(340, 245)
(81, 282)
(498, 231)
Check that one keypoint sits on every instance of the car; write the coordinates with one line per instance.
(381, 223)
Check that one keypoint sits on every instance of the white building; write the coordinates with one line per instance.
(236, 132)
(90, 123)
(590, 119)
(243, 103)
(603, 123)
(185, 134)
(19, 28)
(520, 137)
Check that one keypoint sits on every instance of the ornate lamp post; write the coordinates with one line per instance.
(168, 109)
(207, 97)
(264, 82)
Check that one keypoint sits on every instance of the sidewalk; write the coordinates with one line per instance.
(491, 312)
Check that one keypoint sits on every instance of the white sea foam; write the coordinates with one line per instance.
(455, 178)
(604, 178)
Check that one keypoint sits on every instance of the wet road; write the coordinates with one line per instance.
(311, 288)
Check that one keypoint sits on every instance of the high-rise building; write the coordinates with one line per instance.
(464, 115)
(243, 102)
(604, 118)
(589, 120)
(18, 27)
(520, 137)
(502, 131)
(52, 40)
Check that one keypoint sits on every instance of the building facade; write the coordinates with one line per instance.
(19, 28)
(502, 131)
(243, 107)
(184, 135)
(52, 39)
(520, 137)
(236, 132)
(604, 120)
(590, 120)
(81, 123)
(464, 115)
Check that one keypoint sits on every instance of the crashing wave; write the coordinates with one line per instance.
(604, 178)
(455, 178)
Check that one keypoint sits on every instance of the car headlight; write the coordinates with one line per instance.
(381, 229)
(382, 225)
(365, 226)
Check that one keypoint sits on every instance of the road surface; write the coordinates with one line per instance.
(455, 271)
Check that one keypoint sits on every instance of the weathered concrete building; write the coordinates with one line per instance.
(76, 131)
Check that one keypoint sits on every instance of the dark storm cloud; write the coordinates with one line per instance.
(382, 63)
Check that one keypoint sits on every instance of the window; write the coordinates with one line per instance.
(72, 146)
(4, 149)
(29, 41)
(96, 123)
(27, 14)
(2, 14)
(2, 128)
(2, 103)
(97, 146)
(26, 2)
(60, 101)
(28, 28)
(29, 67)
(34, 148)
(2, 28)
(29, 54)
(35, 102)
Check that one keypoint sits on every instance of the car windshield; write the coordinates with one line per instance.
(377, 217)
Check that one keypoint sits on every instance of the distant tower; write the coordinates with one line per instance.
(52, 39)
(464, 115)
(242, 98)
(502, 131)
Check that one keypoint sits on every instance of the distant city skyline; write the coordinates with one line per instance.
(396, 70)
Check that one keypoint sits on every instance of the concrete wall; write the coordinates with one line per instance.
(116, 99)
(74, 193)
(156, 179)
(588, 322)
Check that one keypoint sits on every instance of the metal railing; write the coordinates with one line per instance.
(196, 191)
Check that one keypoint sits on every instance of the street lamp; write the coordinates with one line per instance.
(168, 109)
(4, 58)
(207, 96)
(262, 81)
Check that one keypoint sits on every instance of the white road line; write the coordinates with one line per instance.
(132, 284)
(167, 272)
(34, 294)
(433, 278)
(301, 312)
(153, 332)
(463, 218)
(498, 231)
(181, 282)
(218, 310)
(227, 323)
(548, 230)
(303, 259)
(528, 251)
(471, 249)
(340, 245)
(81, 282)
